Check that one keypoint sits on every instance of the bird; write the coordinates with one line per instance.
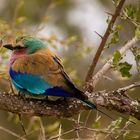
(35, 70)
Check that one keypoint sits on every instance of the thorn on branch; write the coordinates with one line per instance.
(110, 14)
(99, 35)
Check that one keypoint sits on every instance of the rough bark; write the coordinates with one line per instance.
(113, 100)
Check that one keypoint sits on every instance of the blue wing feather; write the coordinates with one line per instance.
(57, 91)
(35, 84)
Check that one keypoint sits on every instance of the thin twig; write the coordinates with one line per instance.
(60, 132)
(123, 129)
(57, 136)
(78, 124)
(97, 77)
(78, 119)
(31, 132)
(80, 128)
(42, 129)
(75, 121)
(21, 123)
(87, 117)
(136, 84)
(12, 133)
(103, 42)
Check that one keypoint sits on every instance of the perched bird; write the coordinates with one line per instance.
(35, 70)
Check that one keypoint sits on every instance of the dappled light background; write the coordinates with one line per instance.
(69, 28)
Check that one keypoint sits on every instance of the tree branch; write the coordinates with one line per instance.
(136, 84)
(90, 85)
(113, 100)
(104, 39)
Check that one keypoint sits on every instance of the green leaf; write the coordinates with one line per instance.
(115, 35)
(116, 57)
(115, 38)
(124, 68)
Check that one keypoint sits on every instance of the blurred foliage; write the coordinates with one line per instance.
(115, 36)
(20, 17)
(137, 32)
(132, 12)
(116, 2)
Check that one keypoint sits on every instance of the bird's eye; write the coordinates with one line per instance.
(18, 47)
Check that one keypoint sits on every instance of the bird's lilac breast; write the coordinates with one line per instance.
(15, 55)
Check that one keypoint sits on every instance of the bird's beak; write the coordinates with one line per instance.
(8, 46)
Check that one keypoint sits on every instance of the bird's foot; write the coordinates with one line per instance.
(21, 95)
(63, 99)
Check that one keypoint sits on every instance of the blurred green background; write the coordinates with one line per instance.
(68, 26)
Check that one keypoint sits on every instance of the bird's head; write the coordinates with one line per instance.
(28, 43)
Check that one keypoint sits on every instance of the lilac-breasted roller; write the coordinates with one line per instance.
(34, 69)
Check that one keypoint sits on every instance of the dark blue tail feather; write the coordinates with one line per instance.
(89, 104)
(93, 106)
